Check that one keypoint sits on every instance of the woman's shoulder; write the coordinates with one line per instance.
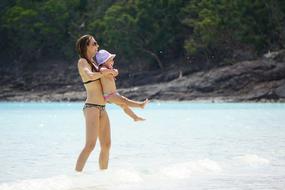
(82, 60)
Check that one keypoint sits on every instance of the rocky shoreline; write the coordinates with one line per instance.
(261, 80)
(258, 80)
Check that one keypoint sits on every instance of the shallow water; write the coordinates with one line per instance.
(180, 146)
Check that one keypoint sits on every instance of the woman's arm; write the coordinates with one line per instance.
(85, 67)
(105, 70)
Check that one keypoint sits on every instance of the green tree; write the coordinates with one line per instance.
(155, 31)
(225, 25)
(38, 28)
(145, 27)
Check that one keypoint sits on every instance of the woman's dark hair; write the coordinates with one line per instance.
(81, 47)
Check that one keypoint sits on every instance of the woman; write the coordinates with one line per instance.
(96, 117)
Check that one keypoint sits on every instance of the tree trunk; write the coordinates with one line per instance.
(160, 64)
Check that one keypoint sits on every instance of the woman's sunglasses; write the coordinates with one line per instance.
(94, 43)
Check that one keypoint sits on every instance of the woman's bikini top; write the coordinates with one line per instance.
(86, 82)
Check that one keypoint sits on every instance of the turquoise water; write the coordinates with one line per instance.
(180, 146)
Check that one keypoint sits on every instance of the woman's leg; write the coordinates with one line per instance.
(105, 140)
(118, 99)
(92, 127)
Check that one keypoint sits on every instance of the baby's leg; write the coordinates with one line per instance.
(130, 113)
(119, 99)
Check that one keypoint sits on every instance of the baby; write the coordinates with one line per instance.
(105, 61)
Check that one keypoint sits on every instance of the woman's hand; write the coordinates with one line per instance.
(115, 72)
(106, 71)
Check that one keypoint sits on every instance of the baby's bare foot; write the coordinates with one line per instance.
(139, 119)
(144, 103)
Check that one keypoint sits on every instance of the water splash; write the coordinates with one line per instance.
(252, 160)
(191, 168)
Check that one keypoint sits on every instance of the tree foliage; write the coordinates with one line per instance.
(228, 25)
(156, 31)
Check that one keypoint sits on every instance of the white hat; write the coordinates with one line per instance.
(102, 56)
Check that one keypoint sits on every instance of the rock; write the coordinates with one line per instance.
(280, 91)
(256, 80)
(276, 55)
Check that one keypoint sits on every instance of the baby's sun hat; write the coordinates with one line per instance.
(102, 56)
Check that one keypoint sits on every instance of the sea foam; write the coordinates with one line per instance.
(191, 168)
(253, 160)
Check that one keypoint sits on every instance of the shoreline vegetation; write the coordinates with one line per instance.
(260, 80)
(166, 50)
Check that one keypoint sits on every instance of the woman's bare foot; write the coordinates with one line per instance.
(139, 119)
(144, 103)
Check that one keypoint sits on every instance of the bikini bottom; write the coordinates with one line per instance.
(99, 107)
(107, 96)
